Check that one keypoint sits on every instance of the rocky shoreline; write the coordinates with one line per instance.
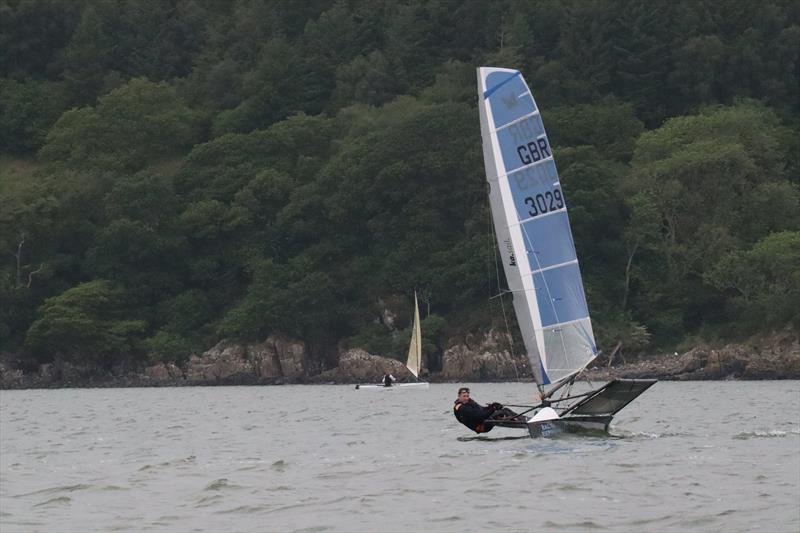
(485, 359)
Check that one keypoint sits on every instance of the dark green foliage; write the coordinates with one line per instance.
(713, 184)
(198, 169)
(27, 110)
(86, 323)
(764, 280)
(134, 125)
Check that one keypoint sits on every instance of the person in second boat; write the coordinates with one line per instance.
(478, 418)
(388, 379)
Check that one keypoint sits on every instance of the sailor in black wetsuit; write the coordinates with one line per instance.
(388, 379)
(475, 416)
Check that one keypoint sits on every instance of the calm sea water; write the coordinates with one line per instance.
(694, 456)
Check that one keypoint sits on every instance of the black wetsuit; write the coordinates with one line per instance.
(473, 415)
(387, 380)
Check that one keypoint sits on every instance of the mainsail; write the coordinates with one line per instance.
(533, 232)
(414, 361)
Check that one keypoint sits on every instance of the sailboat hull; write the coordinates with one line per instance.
(420, 385)
(584, 424)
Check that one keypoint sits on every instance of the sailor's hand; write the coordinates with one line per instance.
(496, 406)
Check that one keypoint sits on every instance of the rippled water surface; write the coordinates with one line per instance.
(684, 456)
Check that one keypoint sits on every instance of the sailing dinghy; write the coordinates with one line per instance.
(414, 359)
(529, 212)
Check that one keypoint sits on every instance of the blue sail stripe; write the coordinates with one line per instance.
(545, 377)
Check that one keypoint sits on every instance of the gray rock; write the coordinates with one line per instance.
(223, 362)
(485, 358)
(291, 356)
(10, 378)
(359, 366)
(162, 374)
(277, 359)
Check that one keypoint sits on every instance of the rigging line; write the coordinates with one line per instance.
(492, 246)
(502, 304)
(502, 293)
(563, 399)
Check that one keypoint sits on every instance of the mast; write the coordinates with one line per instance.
(532, 229)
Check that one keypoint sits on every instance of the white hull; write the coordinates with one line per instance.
(551, 428)
(421, 385)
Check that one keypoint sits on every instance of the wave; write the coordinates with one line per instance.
(54, 490)
(51, 501)
(764, 434)
(222, 483)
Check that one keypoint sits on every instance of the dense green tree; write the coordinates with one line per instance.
(87, 323)
(27, 110)
(765, 281)
(32, 32)
(130, 127)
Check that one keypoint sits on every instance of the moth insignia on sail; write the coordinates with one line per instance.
(511, 100)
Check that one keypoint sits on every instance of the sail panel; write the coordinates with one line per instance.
(559, 294)
(532, 181)
(548, 241)
(523, 143)
(568, 348)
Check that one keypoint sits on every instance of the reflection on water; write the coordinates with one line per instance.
(698, 456)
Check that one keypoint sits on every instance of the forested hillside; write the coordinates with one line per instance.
(175, 172)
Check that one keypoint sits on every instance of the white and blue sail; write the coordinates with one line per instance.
(532, 227)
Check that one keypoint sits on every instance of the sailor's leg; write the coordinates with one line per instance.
(504, 414)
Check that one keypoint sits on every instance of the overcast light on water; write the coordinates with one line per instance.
(702, 456)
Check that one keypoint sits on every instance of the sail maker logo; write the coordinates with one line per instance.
(512, 261)
(510, 101)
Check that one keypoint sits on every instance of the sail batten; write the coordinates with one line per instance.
(551, 267)
(520, 119)
(532, 228)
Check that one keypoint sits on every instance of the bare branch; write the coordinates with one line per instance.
(18, 255)
(33, 273)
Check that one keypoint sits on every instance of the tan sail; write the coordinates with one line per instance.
(414, 362)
